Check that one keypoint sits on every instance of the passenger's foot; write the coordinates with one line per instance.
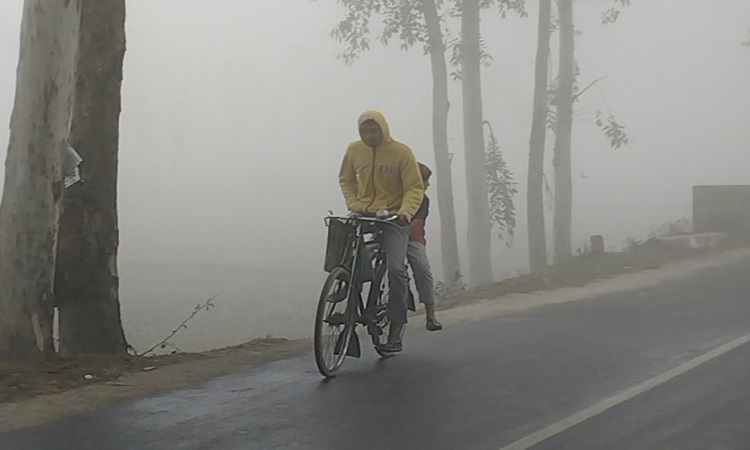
(432, 324)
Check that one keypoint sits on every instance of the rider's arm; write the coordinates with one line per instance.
(411, 178)
(348, 182)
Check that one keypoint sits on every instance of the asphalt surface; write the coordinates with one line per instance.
(480, 385)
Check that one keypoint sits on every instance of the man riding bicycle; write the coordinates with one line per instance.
(379, 173)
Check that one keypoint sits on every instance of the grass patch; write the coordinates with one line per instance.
(581, 270)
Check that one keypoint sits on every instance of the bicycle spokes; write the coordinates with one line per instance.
(339, 343)
(333, 322)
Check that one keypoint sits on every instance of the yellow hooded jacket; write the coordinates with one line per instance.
(386, 177)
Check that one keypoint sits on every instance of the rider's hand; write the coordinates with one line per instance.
(402, 220)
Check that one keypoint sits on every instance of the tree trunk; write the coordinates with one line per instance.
(440, 106)
(86, 282)
(535, 181)
(479, 238)
(30, 207)
(563, 131)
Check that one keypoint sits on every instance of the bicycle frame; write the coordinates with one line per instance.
(351, 257)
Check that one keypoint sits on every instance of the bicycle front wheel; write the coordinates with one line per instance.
(334, 322)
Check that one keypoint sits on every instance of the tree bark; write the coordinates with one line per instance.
(30, 207)
(535, 180)
(479, 236)
(562, 161)
(440, 107)
(86, 282)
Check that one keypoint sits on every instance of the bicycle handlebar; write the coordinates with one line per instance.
(390, 220)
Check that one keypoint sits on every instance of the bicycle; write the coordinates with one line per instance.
(340, 308)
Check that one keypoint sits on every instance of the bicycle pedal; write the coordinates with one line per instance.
(373, 329)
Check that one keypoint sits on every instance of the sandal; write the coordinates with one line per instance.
(433, 325)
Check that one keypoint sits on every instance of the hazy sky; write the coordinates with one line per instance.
(227, 105)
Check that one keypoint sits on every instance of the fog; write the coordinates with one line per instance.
(229, 107)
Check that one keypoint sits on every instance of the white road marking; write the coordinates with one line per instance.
(575, 419)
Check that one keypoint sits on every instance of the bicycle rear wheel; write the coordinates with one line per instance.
(334, 322)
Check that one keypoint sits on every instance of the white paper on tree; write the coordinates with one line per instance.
(72, 173)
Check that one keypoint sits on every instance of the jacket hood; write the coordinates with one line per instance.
(378, 117)
(426, 172)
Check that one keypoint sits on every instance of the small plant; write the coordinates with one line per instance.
(502, 189)
(164, 343)
(632, 243)
(671, 228)
(584, 249)
(613, 130)
(444, 291)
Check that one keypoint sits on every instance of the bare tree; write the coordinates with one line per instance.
(469, 53)
(535, 182)
(30, 207)
(440, 106)
(479, 225)
(565, 95)
(563, 217)
(86, 281)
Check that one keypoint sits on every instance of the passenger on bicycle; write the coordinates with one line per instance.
(417, 257)
(379, 173)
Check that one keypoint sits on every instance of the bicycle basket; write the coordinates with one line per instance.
(337, 249)
(338, 234)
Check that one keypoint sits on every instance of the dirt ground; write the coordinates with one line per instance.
(62, 390)
(33, 394)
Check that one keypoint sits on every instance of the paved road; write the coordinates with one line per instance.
(660, 367)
